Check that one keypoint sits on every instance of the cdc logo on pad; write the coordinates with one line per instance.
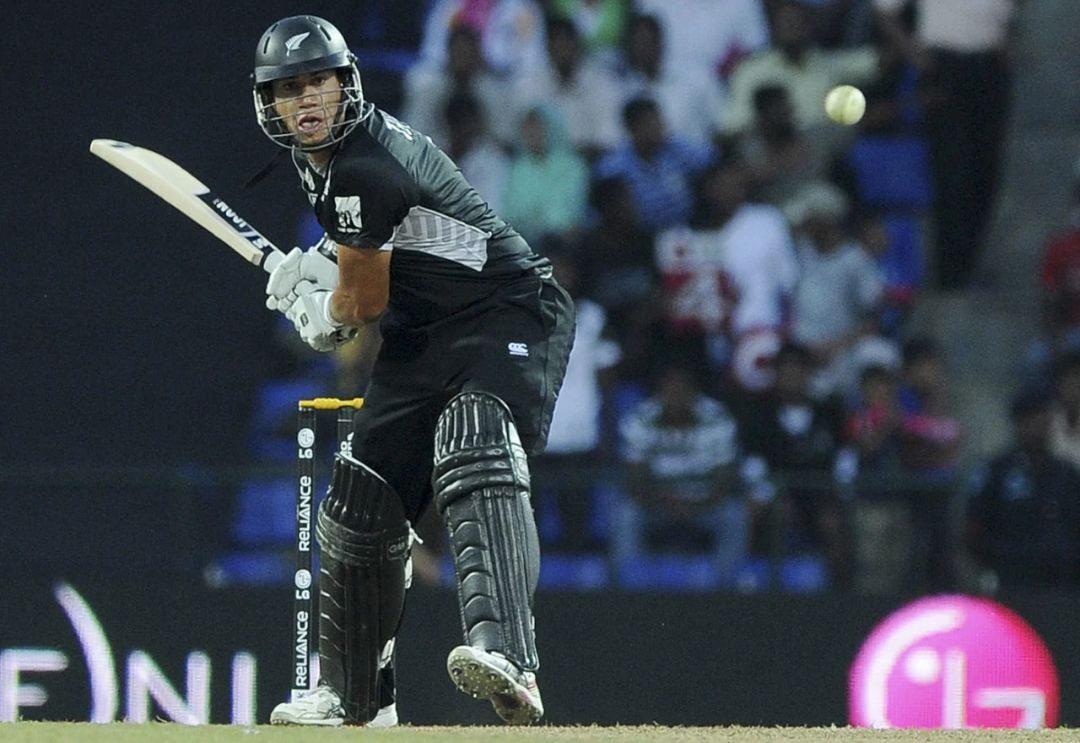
(954, 662)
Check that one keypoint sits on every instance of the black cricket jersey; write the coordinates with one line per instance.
(389, 187)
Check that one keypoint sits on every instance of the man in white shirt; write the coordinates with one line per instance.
(837, 302)
(798, 63)
(583, 91)
(961, 48)
(429, 85)
(511, 32)
(709, 36)
(692, 102)
(732, 271)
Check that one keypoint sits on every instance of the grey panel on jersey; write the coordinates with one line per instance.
(364, 537)
(481, 485)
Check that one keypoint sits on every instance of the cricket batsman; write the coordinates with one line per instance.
(476, 335)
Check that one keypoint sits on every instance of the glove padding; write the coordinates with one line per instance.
(300, 272)
(310, 315)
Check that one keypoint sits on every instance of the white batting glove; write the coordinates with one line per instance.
(310, 315)
(300, 272)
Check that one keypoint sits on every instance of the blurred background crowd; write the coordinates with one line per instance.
(781, 379)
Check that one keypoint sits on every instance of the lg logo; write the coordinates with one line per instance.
(954, 662)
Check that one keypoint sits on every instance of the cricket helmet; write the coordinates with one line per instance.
(294, 46)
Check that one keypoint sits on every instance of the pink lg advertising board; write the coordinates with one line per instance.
(953, 662)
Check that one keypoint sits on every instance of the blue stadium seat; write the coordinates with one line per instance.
(575, 572)
(905, 263)
(447, 579)
(625, 397)
(251, 568)
(753, 575)
(557, 571)
(265, 512)
(892, 172)
(804, 574)
(670, 573)
(273, 419)
(904, 267)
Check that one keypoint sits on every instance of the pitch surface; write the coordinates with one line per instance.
(45, 732)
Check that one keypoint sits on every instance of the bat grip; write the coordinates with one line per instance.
(272, 259)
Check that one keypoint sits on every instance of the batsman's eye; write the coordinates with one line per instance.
(287, 89)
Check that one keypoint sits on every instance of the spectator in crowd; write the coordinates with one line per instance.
(617, 256)
(893, 106)
(800, 437)
(874, 423)
(709, 37)
(582, 90)
(929, 453)
(797, 62)
(428, 86)
(731, 270)
(548, 186)
(879, 511)
(1065, 409)
(683, 457)
(658, 168)
(575, 440)
(511, 33)
(480, 159)
(842, 23)
(1023, 513)
(900, 266)
(931, 434)
(781, 157)
(601, 24)
(1060, 275)
(837, 303)
(961, 48)
(692, 102)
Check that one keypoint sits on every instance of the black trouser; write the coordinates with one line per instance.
(966, 114)
(514, 346)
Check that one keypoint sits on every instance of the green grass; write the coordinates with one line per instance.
(51, 732)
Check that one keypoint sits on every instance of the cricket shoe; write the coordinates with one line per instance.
(322, 706)
(483, 675)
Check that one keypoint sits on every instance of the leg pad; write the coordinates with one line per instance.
(481, 486)
(364, 537)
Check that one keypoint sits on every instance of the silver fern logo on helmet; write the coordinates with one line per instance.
(293, 42)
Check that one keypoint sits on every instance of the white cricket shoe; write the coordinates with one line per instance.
(322, 706)
(483, 675)
(386, 718)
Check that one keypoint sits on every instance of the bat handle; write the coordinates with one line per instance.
(271, 260)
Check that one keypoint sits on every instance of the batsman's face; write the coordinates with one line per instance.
(308, 104)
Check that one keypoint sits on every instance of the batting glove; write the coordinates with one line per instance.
(300, 272)
(310, 315)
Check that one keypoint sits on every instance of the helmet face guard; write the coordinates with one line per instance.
(299, 45)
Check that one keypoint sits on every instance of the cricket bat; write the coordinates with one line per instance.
(187, 193)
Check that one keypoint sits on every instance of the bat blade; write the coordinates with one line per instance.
(190, 196)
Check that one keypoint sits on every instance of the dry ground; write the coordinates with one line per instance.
(49, 732)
